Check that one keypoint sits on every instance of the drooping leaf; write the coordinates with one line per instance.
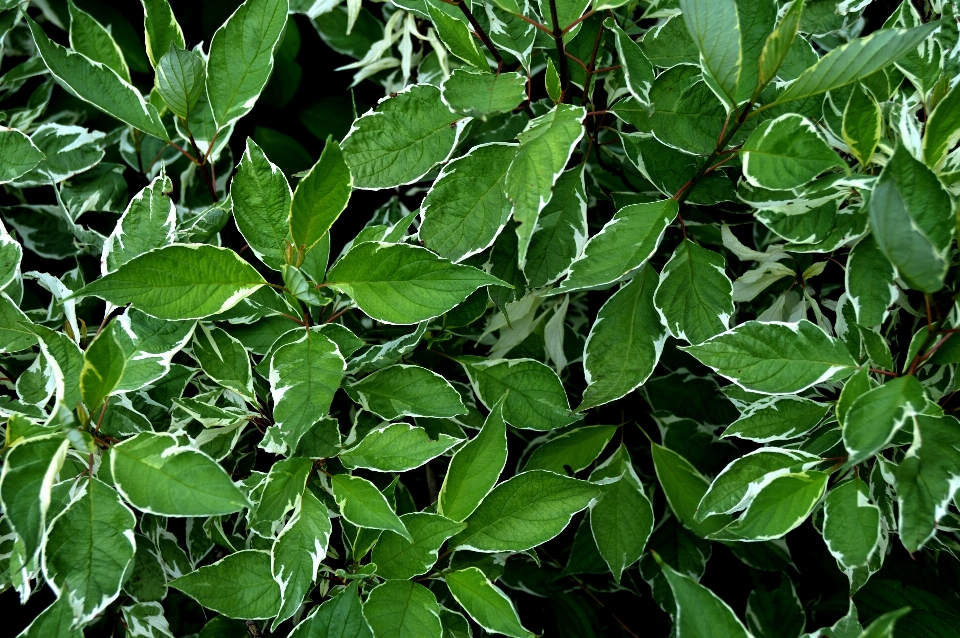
(851, 525)
(298, 553)
(862, 124)
(621, 521)
(161, 29)
(715, 28)
(180, 80)
(485, 602)
(561, 231)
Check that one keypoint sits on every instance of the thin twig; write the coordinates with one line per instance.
(578, 21)
(591, 65)
(534, 23)
(561, 52)
(481, 33)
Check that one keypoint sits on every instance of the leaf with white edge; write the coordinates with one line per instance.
(740, 481)
(281, 494)
(397, 447)
(29, 471)
(862, 124)
(182, 281)
(261, 205)
(103, 366)
(694, 296)
(475, 468)
(622, 246)
(363, 505)
(781, 506)
(561, 231)
(404, 284)
(88, 548)
(467, 206)
(18, 155)
(927, 479)
(875, 417)
(64, 359)
(699, 612)
(97, 84)
(146, 620)
(399, 559)
(53, 622)
(775, 357)
(238, 586)
(405, 390)
(338, 617)
(14, 337)
(161, 29)
(180, 80)
(778, 45)
(157, 475)
(457, 37)
(777, 418)
(321, 196)
(637, 70)
(621, 521)
(545, 147)
(535, 398)
(787, 152)
(715, 28)
(684, 487)
(912, 220)
(524, 511)
(298, 552)
(398, 609)
(485, 602)
(93, 40)
(148, 222)
(942, 129)
(241, 58)
(869, 281)
(882, 626)
(224, 359)
(851, 525)
(575, 449)
(149, 346)
(476, 93)
(304, 376)
(399, 142)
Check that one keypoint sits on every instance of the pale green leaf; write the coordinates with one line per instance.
(777, 46)
(715, 28)
(224, 359)
(561, 231)
(694, 296)
(455, 34)
(321, 196)
(876, 416)
(485, 602)
(405, 390)
(472, 93)
(851, 525)
(93, 40)
(161, 29)
(396, 448)
(103, 365)
(862, 124)
(781, 506)
(363, 505)
(261, 206)
(281, 494)
(637, 70)
(180, 80)
(398, 609)
(777, 418)
(787, 152)
(399, 559)
(238, 586)
(869, 281)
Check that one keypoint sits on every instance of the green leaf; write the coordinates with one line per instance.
(694, 297)
(552, 81)
(467, 207)
(298, 552)
(404, 284)
(338, 617)
(524, 511)
(622, 246)
(545, 147)
(53, 622)
(487, 605)
(775, 358)
(777, 418)
(912, 220)
(398, 609)
(882, 626)
(97, 84)
(238, 586)
(13, 336)
(942, 129)
(473, 93)
(787, 152)
(157, 475)
(281, 494)
(684, 487)
(621, 521)
(862, 124)
(93, 40)
(575, 449)
(876, 416)
(161, 29)
(180, 80)
(927, 478)
(561, 231)
(18, 155)
(851, 525)
(777, 46)
(183, 281)
(776, 612)
(396, 448)
(241, 58)
(699, 611)
(714, 26)
(224, 359)
(402, 140)
(148, 222)
(320, 197)
(856, 59)
(65, 360)
(88, 548)
(637, 70)
(304, 376)
(103, 365)
(149, 346)
(363, 505)
(757, 19)
(475, 468)
(535, 398)
(29, 472)
(869, 282)
(399, 559)
(781, 506)
(455, 34)
(261, 206)
(669, 170)
(405, 390)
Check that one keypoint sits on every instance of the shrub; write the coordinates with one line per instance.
(644, 284)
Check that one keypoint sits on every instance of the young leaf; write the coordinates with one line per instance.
(637, 70)
(396, 448)
(876, 416)
(869, 282)
(684, 487)
(180, 80)
(862, 124)
(467, 91)
(475, 468)
(403, 610)
(552, 81)
(238, 586)
(321, 196)
(851, 525)
(778, 44)
(161, 29)
(404, 390)
(103, 365)
(715, 28)
(298, 552)
(787, 152)
(523, 512)
(575, 449)
(157, 475)
(404, 284)
(363, 505)
(485, 602)
(694, 296)
(18, 155)
(699, 611)
(399, 559)
(261, 206)
(241, 58)
(775, 358)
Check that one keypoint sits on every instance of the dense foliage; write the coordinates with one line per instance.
(612, 318)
